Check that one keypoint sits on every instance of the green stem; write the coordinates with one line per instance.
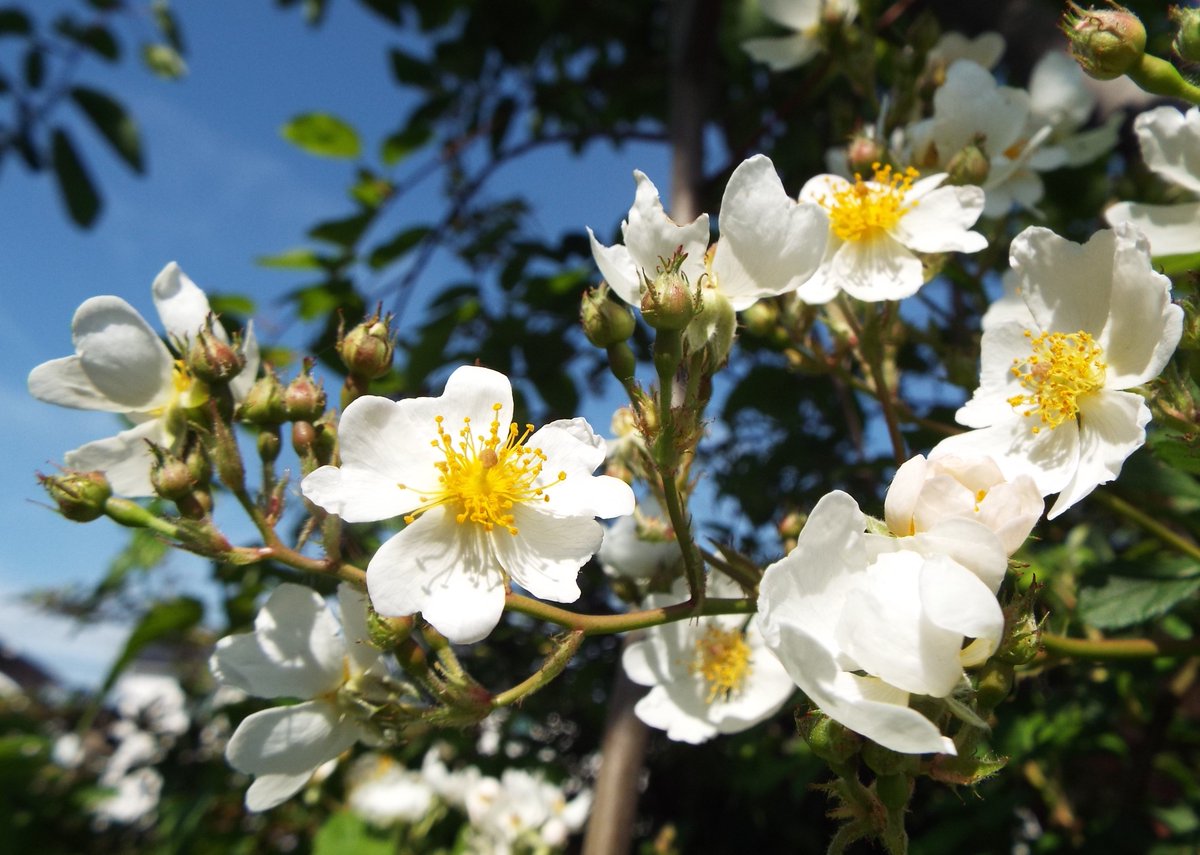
(1118, 648)
(610, 624)
(551, 668)
(1160, 77)
(693, 566)
(1150, 524)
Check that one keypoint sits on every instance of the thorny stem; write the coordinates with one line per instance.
(609, 624)
(551, 668)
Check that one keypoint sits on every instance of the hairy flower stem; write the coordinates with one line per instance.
(610, 624)
(567, 647)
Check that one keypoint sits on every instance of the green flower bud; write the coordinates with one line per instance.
(886, 762)
(1187, 32)
(80, 496)
(832, 742)
(669, 301)
(387, 633)
(171, 477)
(264, 402)
(970, 166)
(1108, 43)
(993, 682)
(367, 350)
(269, 443)
(211, 359)
(304, 399)
(605, 322)
(894, 790)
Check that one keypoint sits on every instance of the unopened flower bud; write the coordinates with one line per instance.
(171, 477)
(894, 791)
(264, 402)
(884, 761)
(669, 301)
(1187, 32)
(713, 327)
(80, 496)
(387, 633)
(269, 443)
(863, 152)
(211, 359)
(970, 166)
(304, 400)
(605, 322)
(226, 456)
(832, 742)
(368, 348)
(1107, 43)
(993, 682)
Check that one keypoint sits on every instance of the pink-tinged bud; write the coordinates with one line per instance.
(863, 152)
(80, 496)
(171, 477)
(1107, 43)
(1187, 32)
(226, 455)
(264, 402)
(605, 322)
(368, 348)
(304, 400)
(211, 359)
(669, 301)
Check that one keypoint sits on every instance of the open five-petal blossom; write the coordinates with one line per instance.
(485, 501)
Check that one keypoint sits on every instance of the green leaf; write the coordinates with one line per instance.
(344, 232)
(1126, 600)
(404, 142)
(346, 832)
(14, 22)
(300, 258)
(163, 620)
(1173, 265)
(94, 37)
(231, 304)
(113, 123)
(397, 246)
(323, 135)
(163, 61)
(78, 191)
(411, 71)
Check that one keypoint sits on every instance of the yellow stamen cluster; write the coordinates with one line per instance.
(1061, 368)
(722, 658)
(866, 209)
(187, 392)
(484, 476)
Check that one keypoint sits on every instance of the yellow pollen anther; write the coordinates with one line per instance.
(722, 658)
(1060, 369)
(866, 209)
(484, 476)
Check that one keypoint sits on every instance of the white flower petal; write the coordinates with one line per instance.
(678, 709)
(288, 741)
(970, 105)
(240, 385)
(356, 635)
(956, 599)
(545, 556)
(121, 354)
(769, 244)
(1049, 457)
(1143, 327)
(876, 269)
(618, 270)
(181, 305)
(64, 382)
(571, 447)
(650, 235)
(1171, 144)
(294, 651)
(445, 571)
(971, 544)
(272, 790)
(1171, 229)
(940, 220)
(1112, 427)
(125, 459)
(1053, 274)
(357, 494)
(782, 52)
(989, 404)
(900, 503)
(796, 14)
(1058, 92)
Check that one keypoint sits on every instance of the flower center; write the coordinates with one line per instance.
(186, 393)
(1062, 368)
(485, 476)
(866, 209)
(722, 658)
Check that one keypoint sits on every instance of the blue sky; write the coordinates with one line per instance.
(222, 188)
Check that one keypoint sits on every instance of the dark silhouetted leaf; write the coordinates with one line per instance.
(114, 124)
(78, 191)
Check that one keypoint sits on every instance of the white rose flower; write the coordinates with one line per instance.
(121, 366)
(769, 244)
(984, 49)
(707, 676)
(1096, 320)
(1060, 97)
(878, 226)
(383, 792)
(485, 501)
(924, 492)
(860, 622)
(625, 554)
(1170, 143)
(803, 16)
(295, 651)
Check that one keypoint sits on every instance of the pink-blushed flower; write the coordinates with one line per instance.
(485, 501)
(1088, 323)
(861, 622)
(120, 365)
(1170, 143)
